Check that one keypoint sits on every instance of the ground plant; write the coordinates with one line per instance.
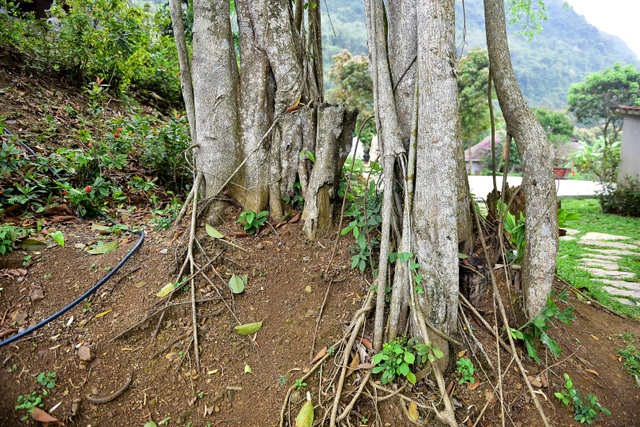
(465, 368)
(587, 410)
(631, 356)
(399, 356)
(252, 221)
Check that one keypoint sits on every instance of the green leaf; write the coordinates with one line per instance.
(247, 369)
(411, 377)
(248, 328)
(150, 424)
(32, 244)
(437, 352)
(58, 237)
(305, 416)
(236, 283)
(551, 343)
(102, 249)
(404, 369)
(516, 334)
(405, 256)
(213, 232)
(462, 256)
(409, 357)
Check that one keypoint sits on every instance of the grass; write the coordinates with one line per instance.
(570, 252)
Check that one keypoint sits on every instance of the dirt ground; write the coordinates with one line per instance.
(243, 380)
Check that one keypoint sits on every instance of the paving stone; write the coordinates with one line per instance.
(610, 251)
(635, 293)
(602, 244)
(627, 301)
(607, 273)
(602, 236)
(589, 255)
(607, 265)
(572, 232)
(621, 284)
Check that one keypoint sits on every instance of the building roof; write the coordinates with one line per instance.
(627, 110)
(483, 148)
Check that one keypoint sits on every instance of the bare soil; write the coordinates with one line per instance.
(286, 289)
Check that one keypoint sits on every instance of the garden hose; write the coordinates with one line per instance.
(87, 293)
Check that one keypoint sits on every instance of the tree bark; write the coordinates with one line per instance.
(538, 183)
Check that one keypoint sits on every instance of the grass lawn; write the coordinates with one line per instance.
(570, 252)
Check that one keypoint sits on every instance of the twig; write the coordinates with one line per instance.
(192, 236)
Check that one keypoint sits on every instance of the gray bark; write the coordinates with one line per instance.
(335, 127)
(215, 89)
(435, 211)
(538, 182)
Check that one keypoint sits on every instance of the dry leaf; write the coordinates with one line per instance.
(473, 386)
(413, 411)
(595, 337)
(366, 366)
(354, 364)
(320, 355)
(366, 343)
(42, 416)
(295, 218)
(591, 371)
(543, 380)
(462, 353)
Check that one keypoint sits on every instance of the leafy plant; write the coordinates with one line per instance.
(299, 384)
(26, 402)
(8, 236)
(631, 356)
(535, 331)
(516, 229)
(586, 410)
(47, 379)
(464, 367)
(397, 357)
(252, 221)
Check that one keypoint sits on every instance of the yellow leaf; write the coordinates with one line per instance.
(166, 290)
(104, 313)
(413, 411)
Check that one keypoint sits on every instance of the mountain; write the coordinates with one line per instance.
(566, 50)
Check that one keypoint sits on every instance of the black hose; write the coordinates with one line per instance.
(87, 293)
(81, 297)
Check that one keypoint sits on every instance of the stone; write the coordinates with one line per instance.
(633, 293)
(590, 255)
(572, 232)
(86, 354)
(610, 251)
(608, 273)
(599, 243)
(602, 236)
(621, 284)
(607, 265)
(36, 294)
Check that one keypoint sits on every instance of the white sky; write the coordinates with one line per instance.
(617, 17)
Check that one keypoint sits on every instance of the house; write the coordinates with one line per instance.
(629, 167)
(476, 157)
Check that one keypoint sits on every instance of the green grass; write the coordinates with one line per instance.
(570, 252)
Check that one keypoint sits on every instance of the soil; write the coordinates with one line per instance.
(242, 380)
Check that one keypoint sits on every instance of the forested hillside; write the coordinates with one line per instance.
(567, 49)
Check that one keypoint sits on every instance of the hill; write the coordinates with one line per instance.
(567, 49)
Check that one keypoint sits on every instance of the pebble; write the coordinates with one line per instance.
(86, 354)
(260, 245)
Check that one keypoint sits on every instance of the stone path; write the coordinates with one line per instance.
(603, 251)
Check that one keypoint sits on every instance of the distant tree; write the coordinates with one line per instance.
(556, 124)
(473, 77)
(591, 100)
(351, 83)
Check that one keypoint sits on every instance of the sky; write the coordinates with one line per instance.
(617, 17)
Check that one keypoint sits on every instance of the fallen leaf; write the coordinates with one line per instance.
(213, 232)
(534, 381)
(248, 328)
(104, 249)
(473, 386)
(33, 244)
(247, 369)
(236, 283)
(192, 401)
(366, 343)
(305, 416)
(543, 380)
(42, 416)
(215, 371)
(354, 364)
(295, 218)
(166, 290)
(591, 371)
(366, 366)
(413, 411)
(320, 355)
(104, 313)
(595, 337)
(462, 353)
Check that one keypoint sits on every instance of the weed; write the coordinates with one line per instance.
(631, 356)
(252, 221)
(11, 369)
(8, 236)
(282, 380)
(586, 410)
(27, 402)
(47, 379)
(299, 384)
(87, 306)
(466, 370)
(534, 331)
(397, 357)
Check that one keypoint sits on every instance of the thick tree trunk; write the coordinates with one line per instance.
(215, 89)
(538, 183)
(435, 211)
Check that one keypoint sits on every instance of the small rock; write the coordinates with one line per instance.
(79, 246)
(307, 289)
(260, 245)
(139, 284)
(19, 316)
(164, 251)
(36, 294)
(86, 354)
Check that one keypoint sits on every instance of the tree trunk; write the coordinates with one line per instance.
(538, 183)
